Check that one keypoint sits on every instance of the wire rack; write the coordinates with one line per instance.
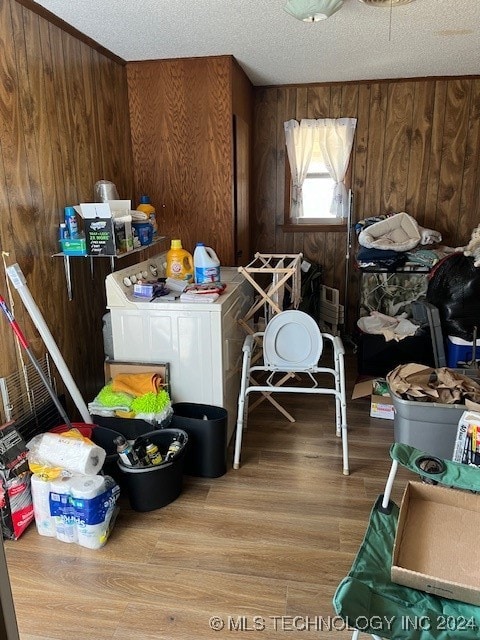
(26, 401)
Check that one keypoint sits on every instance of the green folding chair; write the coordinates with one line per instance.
(369, 602)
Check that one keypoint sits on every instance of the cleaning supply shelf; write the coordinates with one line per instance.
(158, 243)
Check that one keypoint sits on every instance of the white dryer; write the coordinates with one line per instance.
(202, 342)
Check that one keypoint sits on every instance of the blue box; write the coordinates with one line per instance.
(459, 350)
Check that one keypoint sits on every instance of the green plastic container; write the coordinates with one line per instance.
(74, 246)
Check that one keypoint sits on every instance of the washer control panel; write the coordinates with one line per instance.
(147, 271)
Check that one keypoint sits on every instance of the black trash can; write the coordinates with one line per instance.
(206, 426)
(153, 487)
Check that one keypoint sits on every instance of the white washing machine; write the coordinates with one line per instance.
(202, 342)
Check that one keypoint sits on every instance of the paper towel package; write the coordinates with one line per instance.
(79, 509)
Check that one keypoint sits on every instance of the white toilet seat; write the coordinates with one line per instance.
(292, 341)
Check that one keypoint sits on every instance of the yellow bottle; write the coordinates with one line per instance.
(179, 262)
(146, 207)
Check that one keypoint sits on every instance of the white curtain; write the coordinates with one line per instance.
(334, 138)
(299, 139)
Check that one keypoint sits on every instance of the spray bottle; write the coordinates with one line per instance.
(126, 452)
(71, 222)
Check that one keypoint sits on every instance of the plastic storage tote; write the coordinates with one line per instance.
(428, 426)
(206, 426)
(153, 487)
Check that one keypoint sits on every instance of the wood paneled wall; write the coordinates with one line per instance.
(64, 125)
(183, 145)
(416, 149)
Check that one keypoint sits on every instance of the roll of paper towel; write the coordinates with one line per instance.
(73, 454)
(44, 522)
(87, 487)
(65, 525)
(92, 536)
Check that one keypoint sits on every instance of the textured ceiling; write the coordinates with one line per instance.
(359, 42)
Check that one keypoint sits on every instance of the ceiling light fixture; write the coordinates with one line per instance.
(312, 10)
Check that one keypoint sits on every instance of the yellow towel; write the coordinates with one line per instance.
(137, 384)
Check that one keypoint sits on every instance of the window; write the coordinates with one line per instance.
(318, 192)
(318, 156)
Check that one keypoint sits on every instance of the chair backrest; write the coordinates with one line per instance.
(292, 342)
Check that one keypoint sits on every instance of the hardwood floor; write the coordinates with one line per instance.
(272, 539)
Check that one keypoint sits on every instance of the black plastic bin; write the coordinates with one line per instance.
(104, 438)
(376, 356)
(206, 426)
(153, 487)
(129, 428)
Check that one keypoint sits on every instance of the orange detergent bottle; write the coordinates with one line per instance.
(179, 263)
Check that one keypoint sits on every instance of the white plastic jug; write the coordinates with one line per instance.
(206, 263)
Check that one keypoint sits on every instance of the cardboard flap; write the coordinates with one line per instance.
(92, 210)
(362, 389)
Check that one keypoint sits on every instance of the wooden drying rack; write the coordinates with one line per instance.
(284, 270)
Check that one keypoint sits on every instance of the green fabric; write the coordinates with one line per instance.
(108, 398)
(370, 602)
(457, 475)
(151, 402)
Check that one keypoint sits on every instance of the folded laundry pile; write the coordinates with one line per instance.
(388, 241)
(133, 395)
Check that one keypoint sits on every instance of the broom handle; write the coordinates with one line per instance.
(23, 341)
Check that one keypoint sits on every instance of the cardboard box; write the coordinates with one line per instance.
(381, 403)
(16, 506)
(114, 367)
(436, 542)
(107, 227)
(128, 427)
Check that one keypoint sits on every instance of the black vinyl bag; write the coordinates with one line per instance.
(454, 288)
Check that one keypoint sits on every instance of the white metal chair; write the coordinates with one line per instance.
(292, 345)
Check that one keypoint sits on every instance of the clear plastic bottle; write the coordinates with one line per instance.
(146, 207)
(179, 263)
